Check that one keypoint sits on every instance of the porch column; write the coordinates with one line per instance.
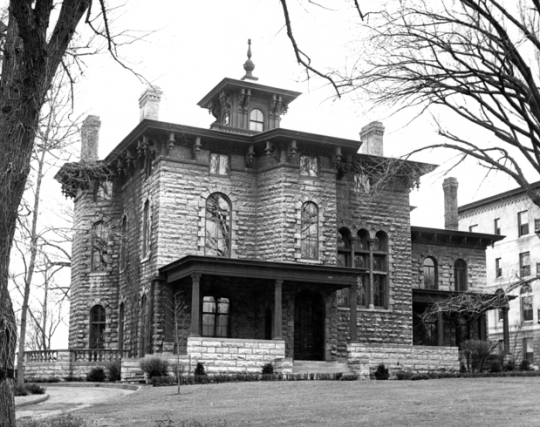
(195, 330)
(506, 330)
(278, 310)
(352, 312)
(440, 329)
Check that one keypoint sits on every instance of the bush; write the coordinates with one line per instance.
(404, 375)
(199, 370)
(348, 377)
(114, 368)
(495, 366)
(525, 365)
(382, 372)
(73, 379)
(61, 421)
(267, 369)
(96, 375)
(510, 366)
(476, 352)
(35, 389)
(417, 377)
(154, 366)
(20, 390)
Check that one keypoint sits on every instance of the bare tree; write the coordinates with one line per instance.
(35, 42)
(181, 318)
(477, 60)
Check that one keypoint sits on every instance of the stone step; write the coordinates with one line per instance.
(316, 367)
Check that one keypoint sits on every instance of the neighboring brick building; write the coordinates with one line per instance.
(239, 222)
(515, 258)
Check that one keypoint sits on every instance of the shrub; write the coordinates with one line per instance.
(20, 390)
(382, 372)
(525, 365)
(61, 421)
(114, 368)
(96, 375)
(71, 378)
(476, 352)
(404, 375)
(348, 377)
(495, 366)
(267, 369)
(417, 377)
(35, 389)
(154, 366)
(510, 366)
(199, 370)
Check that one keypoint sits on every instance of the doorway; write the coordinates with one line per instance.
(308, 326)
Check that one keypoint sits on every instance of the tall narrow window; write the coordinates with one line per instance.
(380, 268)
(344, 258)
(309, 166)
(498, 268)
(528, 350)
(98, 258)
(219, 164)
(497, 226)
(121, 326)
(526, 303)
(460, 275)
(524, 264)
(123, 246)
(256, 120)
(215, 317)
(361, 261)
(97, 327)
(218, 226)
(310, 231)
(144, 338)
(523, 223)
(430, 274)
(147, 229)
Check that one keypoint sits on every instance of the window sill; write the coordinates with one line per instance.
(368, 310)
(99, 273)
(309, 261)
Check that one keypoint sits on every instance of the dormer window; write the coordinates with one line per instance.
(256, 120)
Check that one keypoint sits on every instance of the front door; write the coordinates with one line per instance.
(308, 326)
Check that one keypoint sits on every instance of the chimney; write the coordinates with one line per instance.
(149, 103)
(90, 139)
(451, 221)
(371, 136)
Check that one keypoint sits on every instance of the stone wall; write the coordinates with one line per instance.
(403, 357)
(234, 355)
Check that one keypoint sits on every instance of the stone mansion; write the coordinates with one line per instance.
(272, 241)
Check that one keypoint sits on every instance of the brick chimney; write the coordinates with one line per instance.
(149, 103)
(451, 220)
(90, 139)
(371, 136)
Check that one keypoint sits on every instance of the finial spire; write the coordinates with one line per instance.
(249, 66)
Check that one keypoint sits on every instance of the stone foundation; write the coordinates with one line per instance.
(364, 358)
(234, 355)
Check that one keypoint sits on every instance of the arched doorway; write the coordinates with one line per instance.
(308, 326)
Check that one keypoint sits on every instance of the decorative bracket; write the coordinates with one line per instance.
(292, 150)
(197, 146)
(170, 142)
(250, 155)
(271, 151)
(338, 156)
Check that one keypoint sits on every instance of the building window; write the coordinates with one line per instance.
(526, 303)
(215, 317)
(344, 258)
(528, 350)
(256, 120)
(460, 275)
(497, 226)
(99, 241)
(361, 261)
(123, 244)
(380, 269)
(121, 326)
(309, 166)
(310, 231)
(430, 274)
(103, 190)
(219, 164)
(147, 230)
(498, 268)
(523, 223)
(218, 226)
(537, 225)
(362, 183)
(524, 264)
(473, 228)
(97, 327)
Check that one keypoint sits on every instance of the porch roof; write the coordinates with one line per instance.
(338, 277)
(480, 298)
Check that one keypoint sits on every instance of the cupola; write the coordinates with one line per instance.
(243, 106)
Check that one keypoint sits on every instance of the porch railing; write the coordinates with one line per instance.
(75, 355)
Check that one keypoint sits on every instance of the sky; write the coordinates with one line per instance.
(187, 47)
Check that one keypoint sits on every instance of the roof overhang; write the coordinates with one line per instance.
(335, 277)
(444, 237)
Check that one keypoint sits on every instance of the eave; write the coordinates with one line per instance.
(444, 237)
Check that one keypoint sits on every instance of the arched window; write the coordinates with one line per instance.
(218, 226)
(256, 120)
(147, 229)
(310, 231)
(97, 327)
(123, 247)
(98, 257)
(121, 325)
(361, 260)
(344, 258)
(215, 317)
(460, 275)
(431, 280)
(380, 269)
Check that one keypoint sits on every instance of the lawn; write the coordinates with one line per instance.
(450, 402)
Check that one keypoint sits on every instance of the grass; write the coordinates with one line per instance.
(449, 402)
